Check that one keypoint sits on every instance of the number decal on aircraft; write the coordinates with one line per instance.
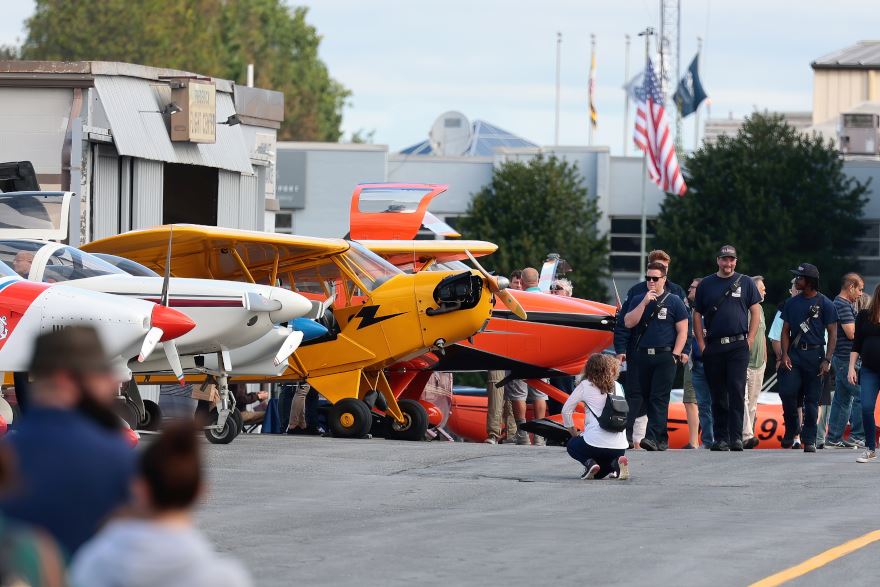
(368, 317)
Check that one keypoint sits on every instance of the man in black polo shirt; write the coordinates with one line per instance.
(727, 310)
(663, 321)
(806, 318)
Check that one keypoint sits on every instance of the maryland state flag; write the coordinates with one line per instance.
(690, 93)
(594, 116)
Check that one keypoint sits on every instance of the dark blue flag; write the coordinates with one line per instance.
(690, 93)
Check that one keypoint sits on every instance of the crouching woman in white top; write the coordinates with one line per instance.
(600, 451)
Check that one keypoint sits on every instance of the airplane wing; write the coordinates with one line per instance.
(401, 252)
(219, 253)
(395, 211)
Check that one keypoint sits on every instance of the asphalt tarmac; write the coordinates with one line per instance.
(322, 511)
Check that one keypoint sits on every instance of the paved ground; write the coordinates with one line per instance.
(316, 511)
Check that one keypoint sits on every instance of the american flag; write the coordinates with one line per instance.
(653, 136)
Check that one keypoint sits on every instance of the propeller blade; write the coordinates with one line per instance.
(290, 344)
(174, 360)
(512, 304)
(167, 279)
(150, 341)
(508, 300)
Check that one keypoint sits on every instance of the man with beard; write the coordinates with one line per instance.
(74, 465)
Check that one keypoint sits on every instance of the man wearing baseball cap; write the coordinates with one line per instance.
(727, 312)
(806, 318)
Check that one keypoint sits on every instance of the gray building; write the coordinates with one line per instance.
(143, 146)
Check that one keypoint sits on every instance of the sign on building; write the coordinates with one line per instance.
(197, 120)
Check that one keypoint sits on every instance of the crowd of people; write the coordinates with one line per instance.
(826, 353)
(79, 507)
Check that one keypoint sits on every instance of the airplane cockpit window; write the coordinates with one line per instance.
(127, 265)
(404, 200)
(318, 279)
(39, 211)
(450, 266)
(66, 264)
(370, 268)
(19, 255)
(6, 271)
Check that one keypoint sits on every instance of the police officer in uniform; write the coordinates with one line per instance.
(806, 318)
(625, 341)
(727, 309)
(663, 321)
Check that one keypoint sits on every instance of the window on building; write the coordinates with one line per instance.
(625, 243)
(283, 222)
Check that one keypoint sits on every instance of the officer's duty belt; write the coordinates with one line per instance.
(729, 339)
(659, 349)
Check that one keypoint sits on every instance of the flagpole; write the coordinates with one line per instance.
(591, 85)
(626, 100)
(697, 111)
(643, 250)
(558, 58)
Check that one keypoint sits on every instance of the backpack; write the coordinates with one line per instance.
(614, 414)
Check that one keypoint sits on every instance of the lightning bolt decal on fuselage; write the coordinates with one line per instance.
(367, 314)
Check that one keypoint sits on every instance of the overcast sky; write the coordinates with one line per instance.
(407, 62)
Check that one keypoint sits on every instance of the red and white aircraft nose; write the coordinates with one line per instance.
(172, 322)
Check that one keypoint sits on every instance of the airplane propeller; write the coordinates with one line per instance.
(508, 300)
(155, 334)
(291, 343)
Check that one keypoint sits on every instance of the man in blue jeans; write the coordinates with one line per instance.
(845, 405)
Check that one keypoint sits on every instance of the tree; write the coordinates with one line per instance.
(213, 37)
(538, 207)
(779, 196)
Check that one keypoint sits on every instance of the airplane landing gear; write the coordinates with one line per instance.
(416, 424)
(225, 427)
(350, 418)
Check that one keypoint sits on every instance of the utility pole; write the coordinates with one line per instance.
(647, 33)
(626, 138)
(558, 59)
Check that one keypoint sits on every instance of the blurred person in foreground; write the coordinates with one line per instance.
(601, 452)
(159, 545)
(75, 467)
(29, 557)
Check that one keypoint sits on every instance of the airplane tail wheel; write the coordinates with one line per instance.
(350, 418)
(226, 435)
(152, 419)
(416, 422)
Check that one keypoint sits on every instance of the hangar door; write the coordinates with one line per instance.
(238, 201)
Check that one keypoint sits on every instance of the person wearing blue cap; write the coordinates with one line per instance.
(806, 318)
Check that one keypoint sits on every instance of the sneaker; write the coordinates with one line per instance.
(611, 475)
(522, 438)
(491, 440)
(859, 444)
(623, 465)
(786, 442)
(590, 470)
(796, 445)
(540, 440)
(648, 445)
(750, 443)
(809, 448)
(736, 446)
(841, 444)
(688, 446)
(869, 456)
(820, 446)
(720, 446)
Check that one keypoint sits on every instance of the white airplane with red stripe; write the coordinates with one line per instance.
(235, 323)
(29, 309)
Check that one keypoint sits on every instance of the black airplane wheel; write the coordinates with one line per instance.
(226, 435)
(152, 419)
(416, 422)
(350, 418)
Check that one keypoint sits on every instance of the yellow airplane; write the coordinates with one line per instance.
(376, 314)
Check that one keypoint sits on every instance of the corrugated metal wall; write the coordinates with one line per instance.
(247, 203)
(146, 196)
(105, 192)
(228, 191)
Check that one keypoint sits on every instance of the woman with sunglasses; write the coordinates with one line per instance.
(661, 321)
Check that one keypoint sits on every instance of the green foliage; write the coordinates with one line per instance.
(538, 207)
(779, 196)
(212, 37)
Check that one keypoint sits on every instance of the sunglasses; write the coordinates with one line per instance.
(652, 278)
